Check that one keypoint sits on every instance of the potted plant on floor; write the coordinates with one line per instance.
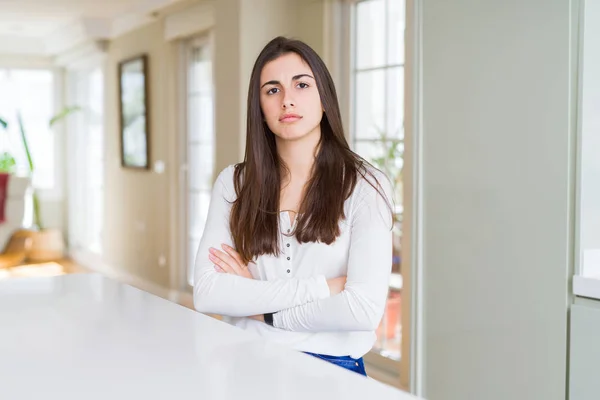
(7, 161)
(46, 243)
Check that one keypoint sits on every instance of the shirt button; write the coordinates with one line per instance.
(288, 231)
(288, 271)
(288, 259)
(288, 245)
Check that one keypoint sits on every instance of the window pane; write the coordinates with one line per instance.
(201, 119)
(389, 332)
(200, 143)
(370, 34)
(200, 78)
(378, 129)
(395, 102)
(386, 155)
(198, 212)
(201, 161)
(206, 128)
(589, 216)
(369, 105)
(29, 92)
(193, 117)
(192, 249)
(40, 139)
(395, 32)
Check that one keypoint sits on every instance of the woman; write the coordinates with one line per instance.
(298, 241)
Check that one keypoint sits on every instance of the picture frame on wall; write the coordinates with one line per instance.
(133, 112)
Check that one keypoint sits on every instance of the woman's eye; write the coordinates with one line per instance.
(272, 90)
(303, 85)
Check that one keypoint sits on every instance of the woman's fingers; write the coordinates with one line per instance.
(218, 262)
(234, 254)
(225, 261)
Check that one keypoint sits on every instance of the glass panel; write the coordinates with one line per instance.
(372, 151)
(198, 212)
(387, 156)
(378, 129)
(34, 92)
(201, 161)
(389, 332)
(395, 31)
(192, 253)
(201, 119)
(395, 102)
(370, 34)
(29, 92)
(193, 117)
(369, 115)
(200, 144)
(206, 119)
(200, 79)
(96, 157)
(40, 140)
(589, 206)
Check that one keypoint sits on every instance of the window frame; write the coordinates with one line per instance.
(206, 38)
(80, 234)
(584, 283)
(343, 37)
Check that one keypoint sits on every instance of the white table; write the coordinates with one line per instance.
(84, 336)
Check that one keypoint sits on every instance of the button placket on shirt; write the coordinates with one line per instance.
(288, 251)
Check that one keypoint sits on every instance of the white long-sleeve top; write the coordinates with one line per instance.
(294, 286)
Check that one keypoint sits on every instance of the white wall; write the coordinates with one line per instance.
(590, 142)
(497, 186)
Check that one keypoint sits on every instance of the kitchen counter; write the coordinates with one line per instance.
(84, 336)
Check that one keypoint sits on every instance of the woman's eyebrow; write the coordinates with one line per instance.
(294, 78)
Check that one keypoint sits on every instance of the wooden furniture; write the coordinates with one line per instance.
(16, 250)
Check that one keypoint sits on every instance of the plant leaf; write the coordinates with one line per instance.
(3, 123)
(7, 162)
(25, 143)
(63, 114)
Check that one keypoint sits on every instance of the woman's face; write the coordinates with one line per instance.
(289, 98)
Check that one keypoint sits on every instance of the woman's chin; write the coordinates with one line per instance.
(293, 135)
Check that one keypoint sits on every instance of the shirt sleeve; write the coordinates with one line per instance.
(360, 306)
(233, 295)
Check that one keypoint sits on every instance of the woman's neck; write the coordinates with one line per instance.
(298, 156)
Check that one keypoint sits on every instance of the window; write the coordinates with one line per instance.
(589, 191)
(377, 126)
(86, 147)
(31, 93)
(200, 144)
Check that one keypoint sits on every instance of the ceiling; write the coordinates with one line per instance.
(48, 27)
(39, 18)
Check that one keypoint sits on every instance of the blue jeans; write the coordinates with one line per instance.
(353, 364)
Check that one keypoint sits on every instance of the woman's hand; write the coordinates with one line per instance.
(336, 285)
(229, 261)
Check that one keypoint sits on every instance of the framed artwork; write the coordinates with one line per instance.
(133, 112)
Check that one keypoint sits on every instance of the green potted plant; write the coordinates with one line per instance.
(47, 243)
(7, 161)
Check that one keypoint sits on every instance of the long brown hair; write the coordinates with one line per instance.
(254, 219)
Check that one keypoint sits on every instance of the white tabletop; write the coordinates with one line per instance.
(84, 336)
